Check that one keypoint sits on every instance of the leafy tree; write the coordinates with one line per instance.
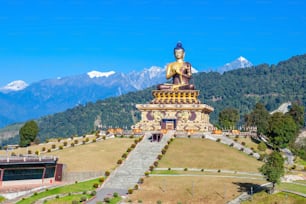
(297, 113)
(228, 118)
(28, 133)
(282, 130)
(259, 117)
(273, 169)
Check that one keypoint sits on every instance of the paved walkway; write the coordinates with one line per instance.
(128, 174)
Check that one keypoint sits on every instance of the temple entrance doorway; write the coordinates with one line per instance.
(168, 124)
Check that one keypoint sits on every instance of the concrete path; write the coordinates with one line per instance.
(133, 168)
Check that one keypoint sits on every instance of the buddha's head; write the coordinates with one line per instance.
(179, 51)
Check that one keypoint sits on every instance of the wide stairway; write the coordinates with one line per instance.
(133, 168)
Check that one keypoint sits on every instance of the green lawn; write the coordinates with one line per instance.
(292, 187)
(79, 187)
(286, 198)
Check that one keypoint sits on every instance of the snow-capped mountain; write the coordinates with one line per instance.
(14, 86)
(58, 94)
(240, 62)
(97, 74)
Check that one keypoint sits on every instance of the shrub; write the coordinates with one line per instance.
(83, 199)
(29, 151)
(119, 161)
(243, 143)
(131, 136)
(129, 149)
(185, 169)
(139, 201)
(57, 196)
(94, 140)
(202, 170)
(147, 173)
(159, 202)
(76, 141)
(87, 139)
(163, 151)
(203, 136)
(101, 180)
(237, 136)
(189, 136)
(115, 195)
(43, 149)
(252, 148)
(61, 147)
(236, 140)
(218, 140)
(37, 152)
(155, 163)
(104, 137)
(49, 150)
(136, 187)
(242, 149)
(84, 192)
(93, 193)
(65, 143)
(124, 155)
(219, 170)
(75, 202)
(72, 144)
(232, 144)
(159, 157)
(58, 139)
(13, 154)
(169, 169)
(95, 185)
(151, 168)
(136, 141)
(140, 181)
(133, 146)
(130, 191)
(83, 142)
(107, 199)
(53, 146)
(107, 173)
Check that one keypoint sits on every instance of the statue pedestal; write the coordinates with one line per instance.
(177, 110)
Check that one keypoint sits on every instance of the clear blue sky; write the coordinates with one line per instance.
(48, 38)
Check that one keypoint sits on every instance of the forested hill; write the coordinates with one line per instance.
(240, 89)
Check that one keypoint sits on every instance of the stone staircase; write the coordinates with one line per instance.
(133, 168)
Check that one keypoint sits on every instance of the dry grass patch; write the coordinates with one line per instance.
(96, 156)
(203, 153)
(190, 189)
(57, 142)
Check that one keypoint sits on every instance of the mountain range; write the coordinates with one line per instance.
(20, 101)
(241, 89)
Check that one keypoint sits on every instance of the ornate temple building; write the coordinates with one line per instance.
(175, 106)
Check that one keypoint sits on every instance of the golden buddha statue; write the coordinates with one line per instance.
(179, 71)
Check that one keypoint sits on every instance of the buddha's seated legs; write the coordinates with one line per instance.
(170, 87)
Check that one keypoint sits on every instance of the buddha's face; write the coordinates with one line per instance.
(179, 54)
